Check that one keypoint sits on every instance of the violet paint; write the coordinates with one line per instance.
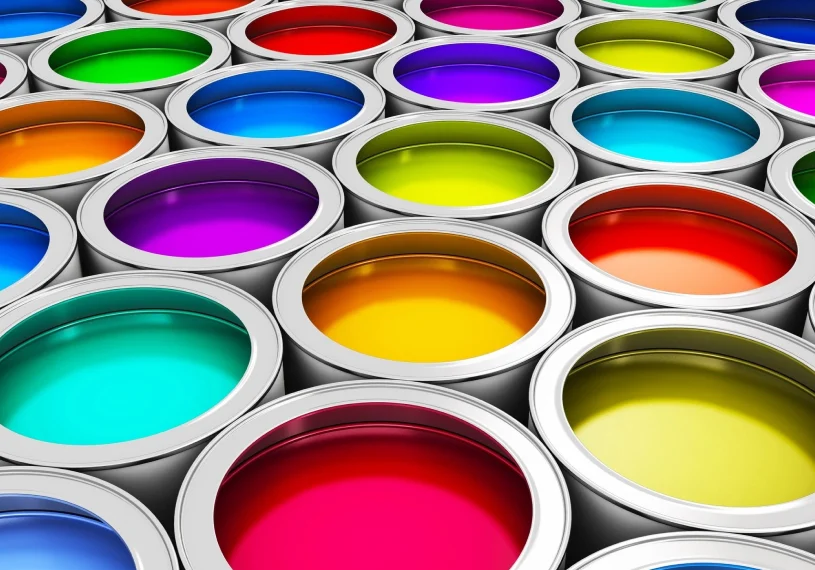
(791, 84)
(211, 207)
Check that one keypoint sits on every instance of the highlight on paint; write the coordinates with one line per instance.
(22, 18)
(23, 244)
(791, 84)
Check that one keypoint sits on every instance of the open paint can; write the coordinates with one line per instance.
(474, 73)
(144, 59)
(774, 26)
(127, 376)
(52, 519)
(667, 126)
(784, 84)
(672, 420)
(638, 241)
(348, 33)
(303, 108)
(233, 214)
(704, 9)
(25, 24)
(13, 75)
(215, 14)
(631, 45)
(438, 301)
(374, 474)
(791, 176)
(59, 144)
(534, 20)
(483, 167)
(37, 245)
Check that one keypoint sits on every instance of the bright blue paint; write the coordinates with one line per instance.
(21, 18)
(23, 243)
(790, 20)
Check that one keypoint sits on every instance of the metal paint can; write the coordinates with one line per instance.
(59, 144)
(143, 59)
(620, 127)
(135, 373)
(473, 73)
(474, 166)
(37, 245)
(704, 9)
(420, 468)
(723, 406)
(639, 241)
(215, 14)
(791, 176)
(25, 24)
(783, 84)
(265, 104)
(774, 26)
(630, 45)
(533, 20)
(348, 33)
(698, 551)
(233, 214)
(447, 302)
(13, 75)
(59, 520)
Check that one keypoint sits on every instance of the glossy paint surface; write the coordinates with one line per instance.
(789, 20)
(492, 17)
(21, 249)
(653, 55)
(186, 7)
(803, 176)
(792, 84)
(21, 18)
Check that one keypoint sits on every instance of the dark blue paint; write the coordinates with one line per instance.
(789, 20)
(21, 18)
(23, 243)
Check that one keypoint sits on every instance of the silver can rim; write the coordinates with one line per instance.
(384, 74)
(260, 375)
(548, 416)
(727, 16)
(779, 175)
(155, 133)
(94, 11)
(771, 132)
(62, 234)
(118, 7)
(42, 70)
(176, 106)
(571, 12)
(237, 31)
(16, 73)
(90, 215)
(797, 279)
(548, 535)
(658, 551)
(690, 10)
(563, 175)
(141, 532)
(743, 49)
(554, 321)
(751, 75)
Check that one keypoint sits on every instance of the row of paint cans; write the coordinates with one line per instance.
(13, 75)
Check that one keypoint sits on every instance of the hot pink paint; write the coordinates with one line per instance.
(510, 15)
(792, 84)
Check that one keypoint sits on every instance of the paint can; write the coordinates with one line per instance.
(639, 241)
(348, 33)
(704, 9)
(620, 127)
(59, 144)
(783, 83)
(135, 372)
(517, 78)
(25, 24)
(698, 551)
(383, 474)
(303, 108)
(59, 520)
(448, 302)
(233, 214)
(215, 14)
(37, 245)
(483, 167)
(774, 26)
(533, 20)
(632, 45)
(13, 75)
(143, 59)
(791, 176)
(673, 420)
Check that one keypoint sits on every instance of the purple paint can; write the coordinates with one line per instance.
(235, 214)
(474, 73)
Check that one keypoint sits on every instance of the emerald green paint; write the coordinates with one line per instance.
(803, 175)
(130, 55)
(117, 376)
(656, 3)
